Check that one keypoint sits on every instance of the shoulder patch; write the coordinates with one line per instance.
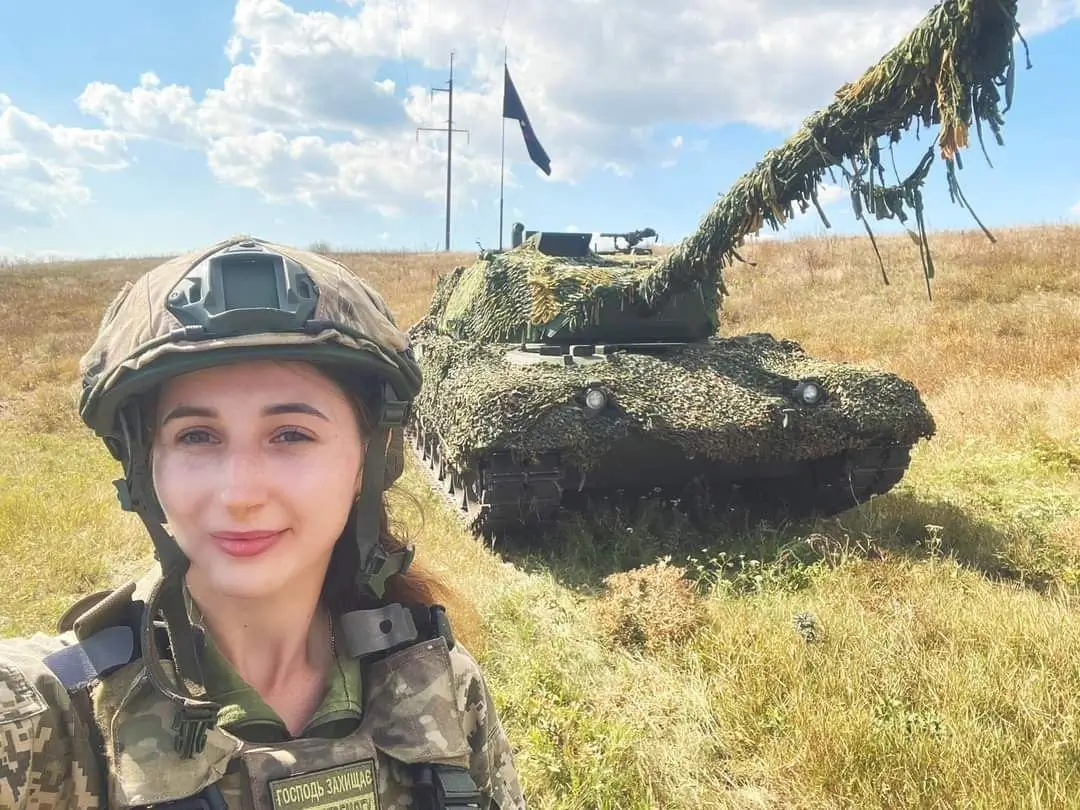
(19, 699)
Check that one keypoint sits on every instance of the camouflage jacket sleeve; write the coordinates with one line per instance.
(46, 760)
(491, 760)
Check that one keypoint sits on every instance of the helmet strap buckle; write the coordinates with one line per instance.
(380, 566)
(394, 412)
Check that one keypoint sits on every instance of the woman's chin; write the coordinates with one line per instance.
(259, 577)
(240, 579)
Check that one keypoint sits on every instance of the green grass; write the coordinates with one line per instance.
(62, 533)
(917, 652)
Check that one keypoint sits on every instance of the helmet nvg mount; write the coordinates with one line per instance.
(242, 299)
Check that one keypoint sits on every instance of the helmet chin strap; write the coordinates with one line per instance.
(376, 565)
(194, 714)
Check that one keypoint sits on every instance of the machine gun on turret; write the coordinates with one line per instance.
(630, 241)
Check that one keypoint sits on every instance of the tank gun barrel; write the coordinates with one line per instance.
(946, 71)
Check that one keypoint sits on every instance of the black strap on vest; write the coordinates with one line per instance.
(92, 658)
(377, 632)
(446, 787)
(78, 667)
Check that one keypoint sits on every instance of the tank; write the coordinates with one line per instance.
(554, 369)
(515, 418)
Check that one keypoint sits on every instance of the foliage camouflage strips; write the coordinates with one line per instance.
(720, 398)
(947, 71)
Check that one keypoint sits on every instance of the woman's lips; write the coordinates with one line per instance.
(245, 544)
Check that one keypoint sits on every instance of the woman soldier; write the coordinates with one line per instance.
(286, 655)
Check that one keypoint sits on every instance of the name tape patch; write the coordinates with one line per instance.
(348, 787)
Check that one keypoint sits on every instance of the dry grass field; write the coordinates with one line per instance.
(922, 651)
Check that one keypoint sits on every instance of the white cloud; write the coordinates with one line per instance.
(388, 173)
(308, 113)
(24, 133)
(1036, 16)
(828, 193)
(35, 192)
(41, 166)
(150, 110)
(1075, 210)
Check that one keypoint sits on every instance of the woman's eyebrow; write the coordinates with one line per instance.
(181, 411)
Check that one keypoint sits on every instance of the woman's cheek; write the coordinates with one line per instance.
(180, 478)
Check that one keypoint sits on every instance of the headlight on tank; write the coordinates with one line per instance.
(595, 400)
(809, 392)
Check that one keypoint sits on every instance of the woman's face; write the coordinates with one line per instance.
(256, 466)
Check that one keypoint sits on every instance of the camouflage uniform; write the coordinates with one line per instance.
(96, 717)
(424, 704)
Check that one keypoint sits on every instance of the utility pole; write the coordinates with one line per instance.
(502, 153)
(449, 89)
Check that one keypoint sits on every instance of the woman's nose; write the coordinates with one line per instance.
(243, 483)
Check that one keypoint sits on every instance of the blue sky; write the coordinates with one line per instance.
(134, 128)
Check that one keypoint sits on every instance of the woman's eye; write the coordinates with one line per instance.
(193, 437)
(293, 436)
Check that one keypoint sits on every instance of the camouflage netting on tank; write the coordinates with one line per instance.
(513, 296)
(722, 400)
(947, 71)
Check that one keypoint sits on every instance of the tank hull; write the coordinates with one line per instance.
(508, 431)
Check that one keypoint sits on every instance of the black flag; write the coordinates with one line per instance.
(513, 108)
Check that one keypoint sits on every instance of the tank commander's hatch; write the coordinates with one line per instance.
(566, 244)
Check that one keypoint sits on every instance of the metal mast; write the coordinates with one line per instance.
(449, 89)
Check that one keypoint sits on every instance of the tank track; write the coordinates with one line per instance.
(507, 492)
(504, 492)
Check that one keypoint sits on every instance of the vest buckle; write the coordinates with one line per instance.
(191, 723)
(448, 786)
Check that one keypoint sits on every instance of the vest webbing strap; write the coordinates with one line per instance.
(378, 632)
(77, 667)
(92, 658)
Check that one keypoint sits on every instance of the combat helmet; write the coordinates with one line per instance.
(241, 299)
